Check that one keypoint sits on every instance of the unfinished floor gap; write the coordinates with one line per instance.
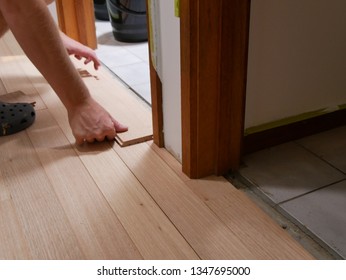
(312, 244)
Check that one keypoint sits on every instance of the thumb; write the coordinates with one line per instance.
(119, 127)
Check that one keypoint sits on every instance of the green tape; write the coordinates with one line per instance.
(342, 106)
(292, 119)
(177, 8)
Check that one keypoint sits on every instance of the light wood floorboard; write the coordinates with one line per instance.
(103, 201)
(48, 233)
(99, 232)
(240, 214)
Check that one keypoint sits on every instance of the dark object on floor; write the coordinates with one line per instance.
(15, 117)
(128, 19)
(101, 11)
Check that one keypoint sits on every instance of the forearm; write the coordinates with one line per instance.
(36, 32)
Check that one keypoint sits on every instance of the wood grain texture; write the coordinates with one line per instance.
(12, 77)
(155, 89)
(151, 231)
(43, 221)
(263, 235)
(86, 22)
(15, 85)
(101, 201)
(13, 244)
(266, 238)
(234, 41)
(149, 228)
(118, 100)
(210, 238)
(121, 102)
(99, 232)
(214, 38)
(76, 19)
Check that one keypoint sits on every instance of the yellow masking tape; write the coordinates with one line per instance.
(177, 8)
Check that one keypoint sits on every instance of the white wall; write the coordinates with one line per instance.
(170, 76)
(297, 62)
(297, 58)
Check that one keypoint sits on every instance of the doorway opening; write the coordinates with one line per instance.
(127, 58)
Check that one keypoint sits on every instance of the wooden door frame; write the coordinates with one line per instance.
(76, 19)
(214, 46)
(214, 52)
(156, 93)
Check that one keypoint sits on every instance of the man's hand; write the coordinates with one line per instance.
(90, 122)
(79, 50)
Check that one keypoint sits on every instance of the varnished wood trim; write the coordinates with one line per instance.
(233, 76)
(156, 107)
(76, 19)
(156, 97)
(275, 136)
(214, 43)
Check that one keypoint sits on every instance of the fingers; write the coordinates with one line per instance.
(96, 139)
(79, 140)
(101, 136)
(95, 60)
(90, 122)
(118, 126)
(87, 60)
(97, 64)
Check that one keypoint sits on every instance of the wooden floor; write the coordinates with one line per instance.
(103, 201)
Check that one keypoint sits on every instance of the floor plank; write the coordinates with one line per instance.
(40, 215)
(153, 234)
(263, 235)
(99, 232)
(9, 45)
(103, 201)
(210, 238)
(121, 102)
(15, 85)
(13, 245)
(168, 242)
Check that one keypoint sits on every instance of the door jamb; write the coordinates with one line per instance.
(214, 46)
(214, 51)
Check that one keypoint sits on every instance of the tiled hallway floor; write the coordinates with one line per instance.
(129, 61)
(306, 181)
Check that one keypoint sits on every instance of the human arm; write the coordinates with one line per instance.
(72, 46)
(79, 50)
(36, 32)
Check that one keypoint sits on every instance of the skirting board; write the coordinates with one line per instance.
(278, 135)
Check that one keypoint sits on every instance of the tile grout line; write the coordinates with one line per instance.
(125, 47)
(309, 192)
(319, 157)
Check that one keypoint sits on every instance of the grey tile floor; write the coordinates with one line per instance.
(128, 61)
(306, 180)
